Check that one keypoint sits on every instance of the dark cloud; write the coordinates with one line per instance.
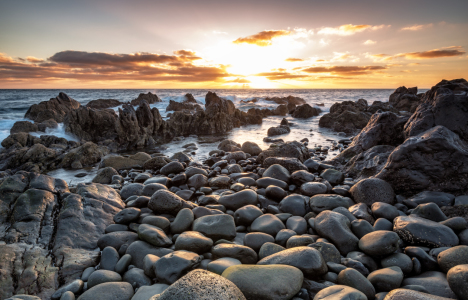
(294, 59)
(82, 58)
(436, 53)
(345, 70)
(262, 38)
(88, 66)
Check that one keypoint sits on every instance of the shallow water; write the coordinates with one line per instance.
(15, 103)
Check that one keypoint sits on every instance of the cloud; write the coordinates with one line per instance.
(34, 59)
(219, 32)
(435, 53)
(369, 42)
(417, 27)
(99, 66)
(293, 59)
(82, 58)
(349, 29)
(345, 70)
(281, 75)
(263, 38)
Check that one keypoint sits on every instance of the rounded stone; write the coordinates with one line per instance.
(152, 188)
(127, 215)
(123, 264)
(278, 172)
(255, 240)
(132, 189)
(384, 210)
(201, 284)
(379, 243)
(452, 257)
(273, 282)
(137, 278)
(328, 251)
(239, 199)
(335, 227)
(337, 292)
(457, 278)
(173, 167)
(387, 279)
(313, 188)
(371, 190)
(294, 204)
(218, 266)
(247, 214)
(216, 226)
(351, 277)
(109, 258)
(102, 276)
(297, 224)
(307, 259)
(153, 235)
(400, 260)
(299, 241)
(268, 249)
(322, 202)
(109, 291)
(275, 193)
(245, 254)
(183, 221)
(193, 241)
(283, 236)
(361, 227)
(172, 266)
(268, 224)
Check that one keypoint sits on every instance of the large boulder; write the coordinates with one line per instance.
(201, 285)
(83, 156)
(423, 232)
(405, 99)
(445, 104)
(346, 116)
(150, 98)
(23, 126)
(183, 106)
(289, 149)
(305, 111)
(436, 160)
(384, 128)
(56, 109)
(265, 282)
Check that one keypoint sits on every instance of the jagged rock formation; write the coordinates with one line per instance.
(144, 126)
(444, 104)
(185, 106)
(150, 98)
(103, 103)
(55, 109)
(405, 99)
(49, 234)
(23, 151)
(436, 160)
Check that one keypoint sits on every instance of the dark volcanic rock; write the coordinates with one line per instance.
(446, 104)
(150, 98)
(183, 106)
(56, 109)
(305, 111)
(103, 103)
(282, 129)
(289, 149)
(405, 99)
(419, 231)
(346, 116)
(417, 164)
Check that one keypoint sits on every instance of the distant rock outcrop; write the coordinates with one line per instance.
(103, 103)
(55, 109)
(150, 98)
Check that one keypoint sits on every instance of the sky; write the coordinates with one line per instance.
(232, 44)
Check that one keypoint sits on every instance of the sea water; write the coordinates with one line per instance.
(15, 103)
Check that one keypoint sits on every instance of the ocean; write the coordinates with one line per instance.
(15, 103)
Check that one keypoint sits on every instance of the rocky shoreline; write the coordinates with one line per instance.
(384, 219)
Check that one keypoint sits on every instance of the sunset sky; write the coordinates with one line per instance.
(232, 44)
